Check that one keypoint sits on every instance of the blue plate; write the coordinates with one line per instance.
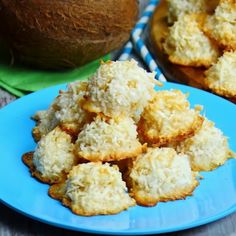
(212, 200)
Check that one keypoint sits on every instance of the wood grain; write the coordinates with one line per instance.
(5, 98)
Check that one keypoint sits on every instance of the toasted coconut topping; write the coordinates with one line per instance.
(161, 175)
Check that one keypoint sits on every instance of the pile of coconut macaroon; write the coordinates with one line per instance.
(113, 141)
(202, 34)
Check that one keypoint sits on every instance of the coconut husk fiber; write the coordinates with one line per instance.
(65, 33)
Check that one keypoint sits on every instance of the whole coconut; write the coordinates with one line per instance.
(65, 33)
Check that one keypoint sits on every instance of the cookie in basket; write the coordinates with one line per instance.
(178, 8)
(187, 45)
(220, 77)
(221, 26)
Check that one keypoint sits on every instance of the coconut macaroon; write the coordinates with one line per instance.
(53, 157)
(108, 140)
(93, 189)
(168, 118)
(161, 175)
(45, 122)
(177, 8)
(220, 78)
(222, 25)
(65, 111)
(187, 45)
(207, 149)
(70, 113)
(119, 88)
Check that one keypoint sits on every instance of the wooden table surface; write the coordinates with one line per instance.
(13, 223)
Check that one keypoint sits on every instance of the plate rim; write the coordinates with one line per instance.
(201, 222)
